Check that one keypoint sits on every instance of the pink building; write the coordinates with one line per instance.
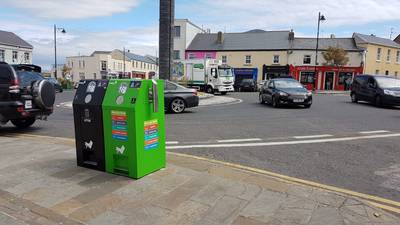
(201, 55)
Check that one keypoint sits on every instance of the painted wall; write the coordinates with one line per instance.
(21, 51)
(296, 58)
(188, 32)
(372, 64)
(237, 59)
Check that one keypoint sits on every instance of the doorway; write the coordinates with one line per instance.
(329, 80)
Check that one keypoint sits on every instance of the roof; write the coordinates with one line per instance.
(397, 39)
(139, 58)
(11, 39)
(347, 44)
(100, 52)
(269, 40)
(371, 39)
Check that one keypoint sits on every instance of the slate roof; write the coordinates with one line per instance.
(139, 58)
(269, 40)
(11, 39)
(101, 52)
(347, 44)
(369, 39)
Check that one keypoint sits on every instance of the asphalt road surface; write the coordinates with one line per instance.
(336, 142)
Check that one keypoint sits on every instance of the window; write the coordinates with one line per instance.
(14, 56)
(137, 64)
(224, 59)
(80, 65)
(81, 76)
(388, 55)
(276, 59)
(192, 56)
(387, 73)
(209, 56)
(141, 65)
(248, 59)
(72, 63)
(83, 62)
(2, 57)
(103, 66)
(378, 54)
(396, 74)
(307, 59)
(177, 54)
(170, 86)
(177, 30)
(113, 65)
(94, 76)
(307, 77)
(344, 77)
(376, 72)
(26, 57)
(397, 57)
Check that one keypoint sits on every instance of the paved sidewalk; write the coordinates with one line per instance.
(41, 184)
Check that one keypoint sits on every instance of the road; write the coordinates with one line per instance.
(336, 142)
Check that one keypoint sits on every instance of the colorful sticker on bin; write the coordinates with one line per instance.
(119, 125)
(150, 134)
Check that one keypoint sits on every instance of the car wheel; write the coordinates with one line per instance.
(354, 98)
(210, 90)
(23, 123)
(275, 103)
(178, 105)
(261, 99)
(378, 101)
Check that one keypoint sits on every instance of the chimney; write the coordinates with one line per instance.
(333, 36)
(220, 39)
(291, 35)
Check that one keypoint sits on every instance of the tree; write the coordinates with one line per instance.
(335, 57)
(65, 70)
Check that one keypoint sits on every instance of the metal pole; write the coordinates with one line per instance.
(316, 50)
(55, 51)
(124, 62)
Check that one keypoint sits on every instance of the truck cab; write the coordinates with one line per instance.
(219, 77)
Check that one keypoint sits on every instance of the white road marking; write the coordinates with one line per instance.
(239, 140)
(172, 142)
(313, 136)
(375, 132)
(312, 141)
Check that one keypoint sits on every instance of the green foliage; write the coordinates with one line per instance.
(335, 57)
(65, 84)
(65, 70)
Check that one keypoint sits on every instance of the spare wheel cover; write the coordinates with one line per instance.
(46, 94)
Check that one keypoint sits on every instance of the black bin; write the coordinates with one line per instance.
(88, 119)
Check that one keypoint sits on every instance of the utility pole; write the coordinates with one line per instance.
(55, 51)
(391, 33)
(124, 63)
(320, 18)
(166, 38)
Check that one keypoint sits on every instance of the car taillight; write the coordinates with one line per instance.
(14, 87)
(195, 92)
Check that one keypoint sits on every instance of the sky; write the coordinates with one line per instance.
(113, 24)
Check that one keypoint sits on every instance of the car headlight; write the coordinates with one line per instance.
(389, 92)
(309, 93)
(283, 93)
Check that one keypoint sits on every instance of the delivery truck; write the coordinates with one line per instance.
(208, 75)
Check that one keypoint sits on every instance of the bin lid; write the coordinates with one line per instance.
(90, 92)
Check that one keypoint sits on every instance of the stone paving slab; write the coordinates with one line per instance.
(43, 185)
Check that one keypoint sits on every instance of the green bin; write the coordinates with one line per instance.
(134, 127)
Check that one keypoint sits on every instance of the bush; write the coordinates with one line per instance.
(65, 84)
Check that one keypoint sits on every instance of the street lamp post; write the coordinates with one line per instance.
(62, 30)
(320, 18)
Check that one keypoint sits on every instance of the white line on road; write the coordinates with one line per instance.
(239, 140)
(172, 142)
(313, 141)
(375, 132)
(313, 136)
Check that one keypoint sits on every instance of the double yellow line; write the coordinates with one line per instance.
(383, 203)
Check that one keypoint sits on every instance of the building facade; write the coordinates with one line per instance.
(184, 33)
(14, 50)
(382, 56)
(111, 64)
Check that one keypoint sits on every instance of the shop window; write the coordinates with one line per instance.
(307, 59)
(344, 76)
(307, 77)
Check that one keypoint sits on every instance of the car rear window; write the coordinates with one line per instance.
(5, 75)
(26, 78)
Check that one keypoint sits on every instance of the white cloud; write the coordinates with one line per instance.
(72, 9)
(79, 42)
(273, 14)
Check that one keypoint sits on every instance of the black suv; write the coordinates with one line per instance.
(24, 95)
(380, 90)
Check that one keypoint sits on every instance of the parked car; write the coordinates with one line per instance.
(379, 90)
(24, 95)
(178, 98)
(57, 85)
(248, 85)
(283, 91)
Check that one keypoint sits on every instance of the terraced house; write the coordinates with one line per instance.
(382, 56)
(14, 50)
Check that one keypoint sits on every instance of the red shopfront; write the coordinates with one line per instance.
(327, 78)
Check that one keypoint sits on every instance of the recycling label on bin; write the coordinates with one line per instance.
(119, 125)
(150, 134)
